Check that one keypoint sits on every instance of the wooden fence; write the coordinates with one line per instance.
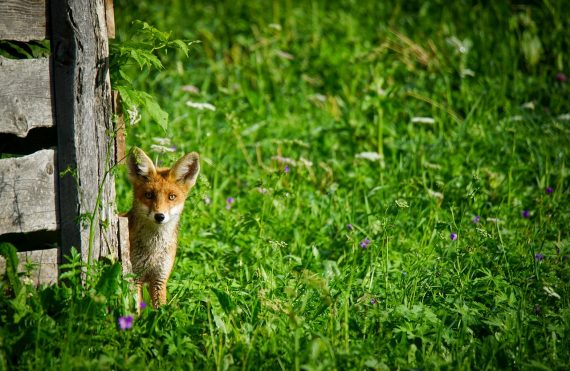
(57, 139)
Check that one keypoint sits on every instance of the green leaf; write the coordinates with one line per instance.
(531, 47)
(181, 45)
(224, 299)
(9, 252)
(156, 112)
(108, 284)
(20, 306)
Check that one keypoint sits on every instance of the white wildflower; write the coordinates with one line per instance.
(277, 244)
(370, 156)
(318, 98)
(494, 220)
(435, 194)
(191, 89)
(564, 117)
(162, 141)
(429, 165)
(402, 204)
(274, 26)
(462, 46)
(483, 232)
(306, 163)
(285, 55)
(529, 105)
(161, 149)
(201, 106)
(134, 115)
(550, 291)
(423, 120)
(284, 160)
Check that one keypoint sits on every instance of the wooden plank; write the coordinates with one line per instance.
(28, 201)
(110, 18)
(82, 90)
(35, 140)
(39, 240)
(120, 139)
(124, 245)
(23, 20)
(45, 266)
(25, 95)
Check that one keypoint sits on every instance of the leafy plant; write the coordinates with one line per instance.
(141, 51)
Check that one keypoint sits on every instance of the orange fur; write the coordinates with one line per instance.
(159, 195)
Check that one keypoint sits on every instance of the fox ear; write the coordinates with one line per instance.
(186, 169)
(140, 166)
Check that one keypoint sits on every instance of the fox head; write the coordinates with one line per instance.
(159, 193)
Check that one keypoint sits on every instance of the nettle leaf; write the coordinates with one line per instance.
(145, 58)
(143, 52)
(125, 76)
(153, 31)
(9, 252)
(224, 299)
(108, 284)
(156, 112)
(181, 45)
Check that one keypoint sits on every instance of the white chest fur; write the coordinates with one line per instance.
(153, 248)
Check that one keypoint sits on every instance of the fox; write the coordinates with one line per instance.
(158, 201)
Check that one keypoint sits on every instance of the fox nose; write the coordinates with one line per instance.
(159, 218)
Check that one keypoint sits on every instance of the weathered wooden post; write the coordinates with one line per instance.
(63, 197)
(83, 112)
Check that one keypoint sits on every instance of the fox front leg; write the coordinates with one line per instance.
(158, 293)
(139, 296)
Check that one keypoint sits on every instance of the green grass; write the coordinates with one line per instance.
(278, 281)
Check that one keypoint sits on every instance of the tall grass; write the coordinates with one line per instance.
(400, 123)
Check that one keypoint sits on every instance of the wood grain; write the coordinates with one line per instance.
(124, 245)
(28, 201)
(45, 265)
(110, 18)
(80, 53)
(23, 20)
(25, 95)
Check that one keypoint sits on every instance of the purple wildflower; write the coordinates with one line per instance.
(453, 236)
(229, 202)
(373, 301)
(476, 219)
(349, 227)
(525, 214)
(561, 77)
(286, 169)
(538, 257)
(142, 305)
(125, 322)
(364, 243)
(549, 190)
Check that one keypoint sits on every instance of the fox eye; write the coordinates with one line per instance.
(171, 196)
(149, 195)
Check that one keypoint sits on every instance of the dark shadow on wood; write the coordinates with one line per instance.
(64, 56)
(32, 241)
(37, 139)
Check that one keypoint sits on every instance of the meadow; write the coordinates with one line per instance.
(384, 186)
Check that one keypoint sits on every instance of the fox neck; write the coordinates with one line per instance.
(152, 234)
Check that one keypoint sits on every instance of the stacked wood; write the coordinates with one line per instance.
(49, 197)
